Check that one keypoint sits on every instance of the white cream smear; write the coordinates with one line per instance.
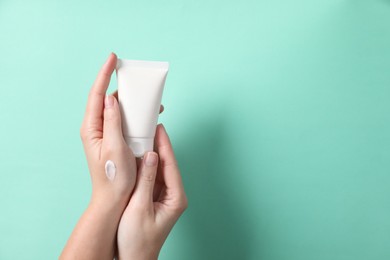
(110, 170)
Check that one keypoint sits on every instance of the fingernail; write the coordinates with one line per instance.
(151, 159)
(108, 101)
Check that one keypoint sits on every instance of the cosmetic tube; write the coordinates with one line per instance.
(140, 88)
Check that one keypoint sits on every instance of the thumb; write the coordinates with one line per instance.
(112, 128)
(143, 192)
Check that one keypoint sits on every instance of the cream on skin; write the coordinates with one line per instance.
(140, 88)
(110, 169)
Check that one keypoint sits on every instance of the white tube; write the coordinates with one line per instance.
(140, 88)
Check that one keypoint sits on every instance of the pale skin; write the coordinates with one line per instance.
(131, 215)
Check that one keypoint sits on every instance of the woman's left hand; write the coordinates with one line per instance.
(101, 133)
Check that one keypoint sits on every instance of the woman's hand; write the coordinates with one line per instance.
(101, 132)
(157, 202)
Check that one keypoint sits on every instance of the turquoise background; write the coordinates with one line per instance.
(278, 111)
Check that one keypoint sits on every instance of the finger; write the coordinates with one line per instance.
(112, 128)
(94, 111)
(158, 185)
(115, 94)
(169, 168)
(143, 192)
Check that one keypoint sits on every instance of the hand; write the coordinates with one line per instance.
(101, 132)
(157, 202)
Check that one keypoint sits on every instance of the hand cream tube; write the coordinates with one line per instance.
(140, 88)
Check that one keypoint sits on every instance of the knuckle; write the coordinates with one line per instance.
(148, 178)
(83, 133)
(93, 92)
(182, 205)
(111, 115)
(109, 149)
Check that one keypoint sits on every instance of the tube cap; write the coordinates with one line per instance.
(140, 145)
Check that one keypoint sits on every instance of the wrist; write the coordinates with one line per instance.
(108, 202)
(133, 248)
(138, 256)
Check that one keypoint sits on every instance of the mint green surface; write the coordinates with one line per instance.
(279, 112)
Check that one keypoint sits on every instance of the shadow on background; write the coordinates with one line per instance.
(215, 219)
